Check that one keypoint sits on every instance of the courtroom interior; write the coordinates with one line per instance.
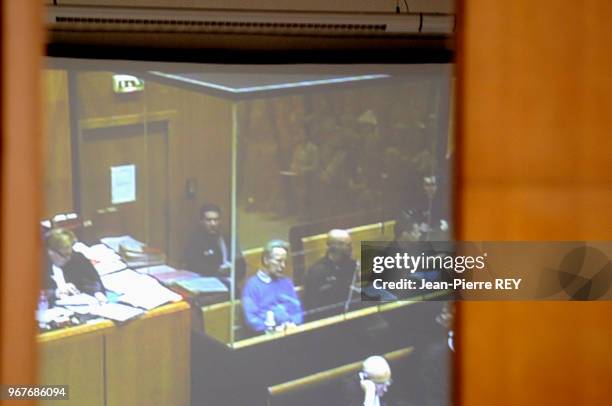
(217, 213)
(189, 191)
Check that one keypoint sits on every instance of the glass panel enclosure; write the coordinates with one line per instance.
(244, 190)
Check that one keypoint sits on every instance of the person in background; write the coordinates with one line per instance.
(329, 280)
(269, 299)
(208, 252)
(434, 209)
(68, 272)
(304, 164)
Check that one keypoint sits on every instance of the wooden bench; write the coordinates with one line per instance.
(314, 247)
(323, 386)
(217, 316)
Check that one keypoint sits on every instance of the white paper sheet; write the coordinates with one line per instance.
(125, 240)
(117, 312)
(123, 184)
(139, 290)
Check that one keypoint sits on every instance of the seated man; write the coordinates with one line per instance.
(329, 280)
(269, 299)
(207, 251)
(68, 272)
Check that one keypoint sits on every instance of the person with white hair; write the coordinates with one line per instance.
(269, 300)
(374, 381)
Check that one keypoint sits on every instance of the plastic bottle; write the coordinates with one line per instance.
(270, 322)
(43, 303)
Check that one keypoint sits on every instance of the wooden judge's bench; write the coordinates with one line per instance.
(143, 362)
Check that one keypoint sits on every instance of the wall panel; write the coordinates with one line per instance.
(535, 92)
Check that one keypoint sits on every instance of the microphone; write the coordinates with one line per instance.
(350, 294)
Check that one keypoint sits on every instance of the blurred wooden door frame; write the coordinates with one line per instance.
(533, 106)
(21, 188)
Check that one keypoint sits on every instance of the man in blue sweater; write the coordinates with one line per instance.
(269, 299)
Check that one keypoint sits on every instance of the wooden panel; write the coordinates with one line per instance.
(21, 185)
(316, 246)
(199, 140)
(57, 162)
(217, 320)
(78, 362)
(535, 95)
(199, 149)
(105, 147)
(332, 374)
(148, 360)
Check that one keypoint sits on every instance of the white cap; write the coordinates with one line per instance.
(377, 369)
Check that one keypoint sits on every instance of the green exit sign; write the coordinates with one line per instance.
(127, 84)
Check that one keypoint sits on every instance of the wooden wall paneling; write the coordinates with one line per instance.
(153, 355)
(57, 162)
(20, 188)
(198, 144)
(534, 96)
(199, 149)
(77, 362)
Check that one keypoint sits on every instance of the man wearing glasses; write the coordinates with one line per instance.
(68, 272)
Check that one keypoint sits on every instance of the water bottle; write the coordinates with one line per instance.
(43, 303)
(270, 323)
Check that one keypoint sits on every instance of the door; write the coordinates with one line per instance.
(124, 181)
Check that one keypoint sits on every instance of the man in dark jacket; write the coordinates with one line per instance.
(207, 251)
(329, 280)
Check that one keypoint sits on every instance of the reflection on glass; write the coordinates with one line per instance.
(243, 193)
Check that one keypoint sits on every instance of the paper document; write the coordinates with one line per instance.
(53, 314)
(122, 281)
(98, 252)
(203, 285)
(117, 312)
(149, 300)
(104, 268)
(123, 184)
(169, 278)
(126, 241)
(82, 299)
(139, 290)
(152, 270)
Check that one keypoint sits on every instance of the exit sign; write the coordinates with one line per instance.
(127, 84)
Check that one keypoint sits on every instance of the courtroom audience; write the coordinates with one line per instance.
(269, 299)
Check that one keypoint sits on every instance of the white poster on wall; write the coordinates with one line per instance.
(123, 184)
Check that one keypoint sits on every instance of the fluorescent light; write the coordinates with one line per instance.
(240, 90)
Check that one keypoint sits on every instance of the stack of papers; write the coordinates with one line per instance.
(203, 285)
(104, 268)
(104, 259)
(116, 311)
(56, 314)
(81, 303)
(170, 278)
(152, 270)
(167, 274)
(138, 289)
(82, 299)
(125, 241)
